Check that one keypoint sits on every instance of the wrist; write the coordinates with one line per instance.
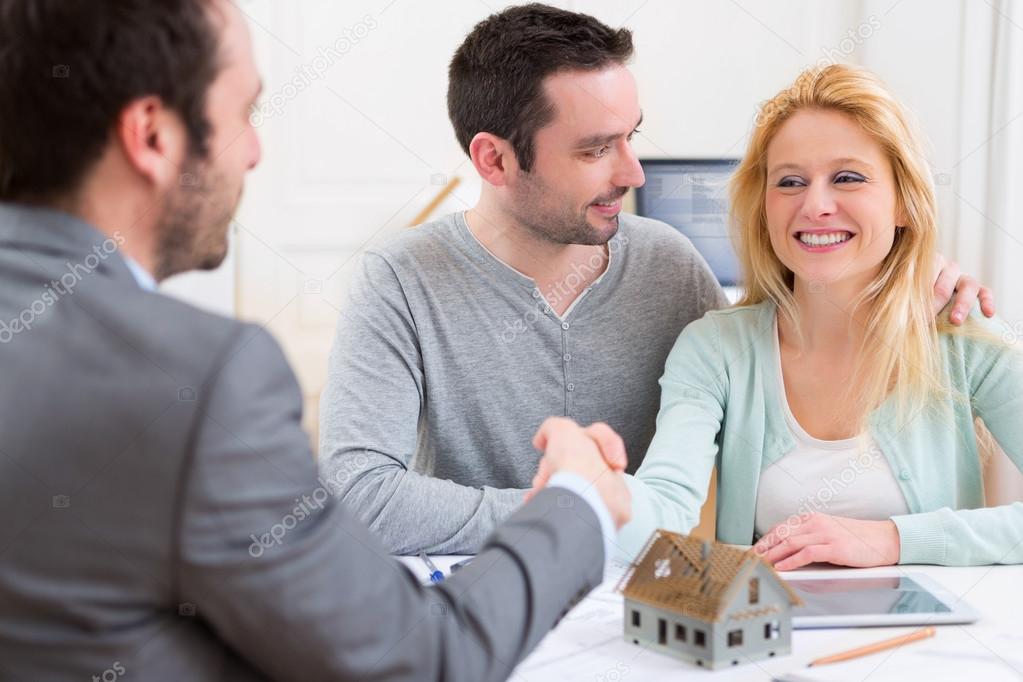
(894, 542)
(615, 493)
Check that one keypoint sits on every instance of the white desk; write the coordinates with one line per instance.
(589, 645)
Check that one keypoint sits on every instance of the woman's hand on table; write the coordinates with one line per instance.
(816, 537)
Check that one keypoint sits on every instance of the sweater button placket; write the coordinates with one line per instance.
(566, 357)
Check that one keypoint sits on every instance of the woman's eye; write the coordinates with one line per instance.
(846, 178)
(791, 182)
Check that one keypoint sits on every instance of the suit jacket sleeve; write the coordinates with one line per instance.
(297, 586)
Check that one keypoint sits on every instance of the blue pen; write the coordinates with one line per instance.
(435, 575)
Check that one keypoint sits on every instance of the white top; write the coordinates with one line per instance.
(849, 477)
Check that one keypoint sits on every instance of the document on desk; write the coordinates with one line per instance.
(589, 639)
(955, 654)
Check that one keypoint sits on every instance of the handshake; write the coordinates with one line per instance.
(596, 453)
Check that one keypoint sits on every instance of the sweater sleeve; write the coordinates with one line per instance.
(369, 428)
(670, 486)
(969, 537)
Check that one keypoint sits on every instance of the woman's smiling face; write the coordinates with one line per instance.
(830, 202)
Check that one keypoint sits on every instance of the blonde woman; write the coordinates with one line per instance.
(838, 410)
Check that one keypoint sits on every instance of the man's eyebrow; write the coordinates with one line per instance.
(605, 138)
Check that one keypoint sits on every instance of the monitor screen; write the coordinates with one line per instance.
(692, 196)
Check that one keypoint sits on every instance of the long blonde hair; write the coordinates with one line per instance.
(904, 355)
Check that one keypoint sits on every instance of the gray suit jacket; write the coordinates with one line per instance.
(161, 516)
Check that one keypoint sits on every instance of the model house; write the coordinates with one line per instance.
(705, 602)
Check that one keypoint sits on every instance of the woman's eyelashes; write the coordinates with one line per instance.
(790, 181)
(841, 178)
(846, 177)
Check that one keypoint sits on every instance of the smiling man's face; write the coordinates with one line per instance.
(584, 161)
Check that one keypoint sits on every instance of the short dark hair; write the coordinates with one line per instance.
(69, 67)
(495, 80)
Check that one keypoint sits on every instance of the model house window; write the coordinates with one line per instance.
(772, 630)
(699, 638)
(662, 631)
(635, 618)
(662, 568)
(680, 632)
(754, 590)
(735, 638)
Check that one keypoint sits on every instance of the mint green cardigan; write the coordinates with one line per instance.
(721, 404)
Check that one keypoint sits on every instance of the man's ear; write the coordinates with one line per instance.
(493, 158)
(154, 141)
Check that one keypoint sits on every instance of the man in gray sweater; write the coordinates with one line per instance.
(462, 335)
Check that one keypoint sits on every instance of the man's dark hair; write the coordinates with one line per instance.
(69, 67)
(495, 81)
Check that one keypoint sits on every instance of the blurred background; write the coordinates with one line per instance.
(357, 143)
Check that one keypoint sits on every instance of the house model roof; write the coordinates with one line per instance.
(694, 577)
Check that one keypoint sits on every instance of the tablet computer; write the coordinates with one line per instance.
(850, 600)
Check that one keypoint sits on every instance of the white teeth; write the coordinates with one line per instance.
(823, 239)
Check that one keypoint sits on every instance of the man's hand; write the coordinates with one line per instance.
(596, 453)
(967, 291)
(837, 540)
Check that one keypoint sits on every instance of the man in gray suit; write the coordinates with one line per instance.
(162, 514)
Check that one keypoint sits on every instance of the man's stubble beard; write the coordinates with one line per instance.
(193, 223)
(560, 224)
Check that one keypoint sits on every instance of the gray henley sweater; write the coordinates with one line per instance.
(446, 361)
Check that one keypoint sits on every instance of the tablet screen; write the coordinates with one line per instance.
(863, 596)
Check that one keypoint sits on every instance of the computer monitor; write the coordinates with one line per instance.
(691, 195)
